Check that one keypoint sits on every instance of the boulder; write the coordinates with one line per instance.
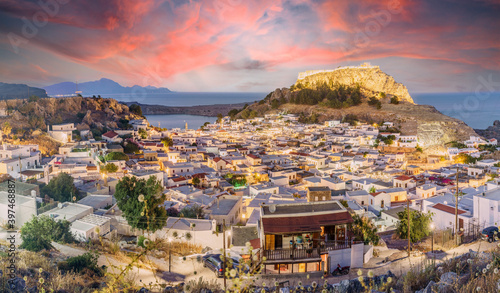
(17, 285)
(449, 278)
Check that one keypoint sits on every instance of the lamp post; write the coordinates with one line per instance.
(432, 244)
(408, 208)
(169, 254)
(224, 248)
(432, 229)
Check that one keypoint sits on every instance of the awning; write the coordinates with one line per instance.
(306, 224)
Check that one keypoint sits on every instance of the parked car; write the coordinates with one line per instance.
(489, 233)
(215, 263)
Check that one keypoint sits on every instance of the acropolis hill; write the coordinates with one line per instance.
(432, 127)
(370, 77)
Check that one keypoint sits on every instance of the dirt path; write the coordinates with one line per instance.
(141, 276)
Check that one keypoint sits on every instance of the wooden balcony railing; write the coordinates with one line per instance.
(305, 253)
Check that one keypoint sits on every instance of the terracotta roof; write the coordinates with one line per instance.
(447, 209)
(178, 179)
(280, 225)
(253, 156)
(377, 193)
(403, 178)
(110, 134)
(255, 243)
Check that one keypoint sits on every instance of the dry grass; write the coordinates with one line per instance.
(181, 248)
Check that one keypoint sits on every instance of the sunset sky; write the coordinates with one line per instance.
(257, 46)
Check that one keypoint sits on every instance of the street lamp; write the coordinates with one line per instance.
(169, 240)
(432, 229)
(432, 244)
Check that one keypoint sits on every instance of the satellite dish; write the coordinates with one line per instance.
(272, 208)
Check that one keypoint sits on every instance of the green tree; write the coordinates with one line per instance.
(167, 141)
(364, 229)
(61, 188)
(196, 181)
(373, 189)
(136, 109)
(141, 202)
(464, 159)
(193, 211)
(116, 156)
(219, 118)
(110, 168)
(39, 232)
(6, 129)
(130, 148)
(143, 133)
(395, 100)
(419, 225)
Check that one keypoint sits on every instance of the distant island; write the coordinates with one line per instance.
(9, 91)
(102, 86)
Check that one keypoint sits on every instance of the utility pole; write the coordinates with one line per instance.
(408, 208)
(224, 248)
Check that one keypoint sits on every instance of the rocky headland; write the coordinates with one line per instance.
(202, 110)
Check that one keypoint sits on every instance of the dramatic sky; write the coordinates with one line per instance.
(246, 45)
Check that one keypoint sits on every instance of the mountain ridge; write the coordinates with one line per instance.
(102, 86)
(9, 91)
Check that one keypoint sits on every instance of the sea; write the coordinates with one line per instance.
(180, 99)
(477, 110)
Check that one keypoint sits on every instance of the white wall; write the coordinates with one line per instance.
(357, 255)
(341, 256)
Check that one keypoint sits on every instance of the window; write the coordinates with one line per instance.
(396, 198)
(382, 204)
(362, 202)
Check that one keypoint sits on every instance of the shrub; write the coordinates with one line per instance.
(38, 233)
(87, 261)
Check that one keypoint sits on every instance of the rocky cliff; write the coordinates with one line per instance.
(371, 79)
(491, 131)
(29, 118)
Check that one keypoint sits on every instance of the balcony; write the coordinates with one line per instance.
(288, 254)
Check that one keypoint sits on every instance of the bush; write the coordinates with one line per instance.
(116, 156)
(395, 100)
(140, 241)
(61, 188)
(375, 102)
(131, 148)
(110, 168)
(136, 109)
(38, 233)
(87, 261)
